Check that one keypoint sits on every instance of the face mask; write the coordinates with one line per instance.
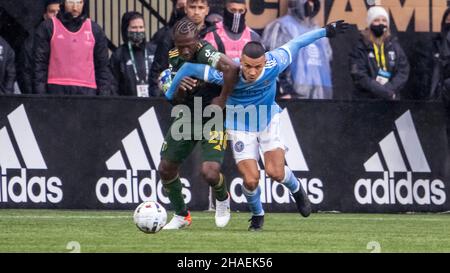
(136, 37)
(235, 22)
(379, 30)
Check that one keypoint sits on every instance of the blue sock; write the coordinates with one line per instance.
(254, 200)
(290, 181)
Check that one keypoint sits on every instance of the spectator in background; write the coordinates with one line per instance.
(131, 62)
(309, 76)
(7, 68)
(232, 34)
(163, 39)
(195, 10)
(178, 13)
(440, 81)
(25, 58)
(71, 54)
(378, 65)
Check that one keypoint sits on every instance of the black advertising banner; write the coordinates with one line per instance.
(103, 153)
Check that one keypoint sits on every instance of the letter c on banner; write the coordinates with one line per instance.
(262, 12)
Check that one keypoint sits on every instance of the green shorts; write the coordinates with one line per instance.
(212, 149)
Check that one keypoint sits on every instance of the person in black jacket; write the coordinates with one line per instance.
(378, 65)
(131, 62)
(7, 68)
(89, 75)
(195, 10)
(440, 80)
(25, 56)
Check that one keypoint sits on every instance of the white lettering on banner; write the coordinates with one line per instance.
(37, 189)
(405, 191)
(140, 182)
(132, 189)
(24, 188)
(274, 192)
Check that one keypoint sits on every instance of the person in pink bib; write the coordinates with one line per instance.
(71, 54)
(232, 34)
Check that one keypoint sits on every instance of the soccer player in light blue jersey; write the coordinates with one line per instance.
(252, 120)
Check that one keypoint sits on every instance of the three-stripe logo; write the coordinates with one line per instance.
(20, 151)
(141, 148)
(400, 153)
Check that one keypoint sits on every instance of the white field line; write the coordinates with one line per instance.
(312, 218)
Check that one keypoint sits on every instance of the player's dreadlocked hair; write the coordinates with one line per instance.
(185, 27)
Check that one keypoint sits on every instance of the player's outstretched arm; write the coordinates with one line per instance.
(330, 31)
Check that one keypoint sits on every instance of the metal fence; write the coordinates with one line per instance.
(108, 14)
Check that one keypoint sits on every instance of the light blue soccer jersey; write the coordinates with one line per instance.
(251, 106)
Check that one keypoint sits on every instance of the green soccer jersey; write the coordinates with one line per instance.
(206, 54)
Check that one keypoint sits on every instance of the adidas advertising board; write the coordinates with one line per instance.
(103, 153)
(402, 153)
(24, 176)
(140, 181)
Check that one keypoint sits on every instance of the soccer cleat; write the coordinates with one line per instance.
(223, 214)
(179, 222)
(257, 223)
(302, 202)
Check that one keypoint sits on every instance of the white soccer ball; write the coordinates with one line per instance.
(165, 80)
(150, 217)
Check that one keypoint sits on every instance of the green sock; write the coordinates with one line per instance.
(220, 189)
(173, 190)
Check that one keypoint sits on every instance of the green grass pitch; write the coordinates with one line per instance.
(114, 231)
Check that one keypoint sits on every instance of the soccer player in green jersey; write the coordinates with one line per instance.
(189, 48)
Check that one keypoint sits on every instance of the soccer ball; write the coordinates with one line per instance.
(150, 217)
(165, 80)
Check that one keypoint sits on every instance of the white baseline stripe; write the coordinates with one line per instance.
(314, 217)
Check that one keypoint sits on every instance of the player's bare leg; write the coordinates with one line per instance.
(276, 169)
(212, 175)
(172, 185)
(252, 192)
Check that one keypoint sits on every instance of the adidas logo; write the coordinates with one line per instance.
(19, 150)
(140, 181)
(272, 191)
(400, 153)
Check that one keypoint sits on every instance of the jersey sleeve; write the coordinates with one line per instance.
(199, 71)
(283, 58)
(208, 55)
(283, 54)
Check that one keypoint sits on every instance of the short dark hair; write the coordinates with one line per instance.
(254, 50)
(185, 27)
(201, 1)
